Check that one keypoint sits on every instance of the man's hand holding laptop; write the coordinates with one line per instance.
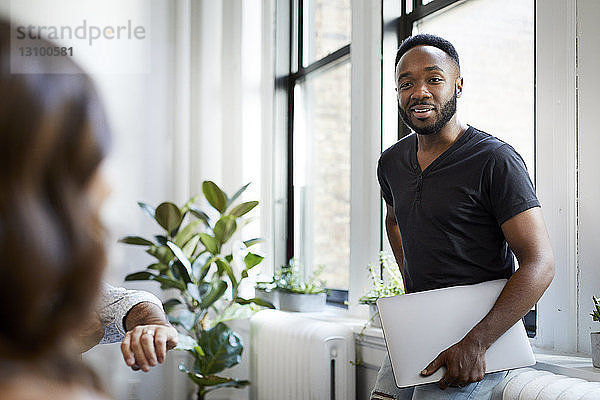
(527, 237)
(464, 361)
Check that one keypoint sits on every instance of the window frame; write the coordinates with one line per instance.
(290, 46)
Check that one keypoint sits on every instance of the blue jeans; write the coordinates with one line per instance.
(385, 388)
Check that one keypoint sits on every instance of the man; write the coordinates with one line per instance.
(134, 318)
(459, 204)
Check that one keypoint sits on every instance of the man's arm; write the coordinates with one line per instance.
(527, 237)
(393, 234)
(136, 319)
(149, 336)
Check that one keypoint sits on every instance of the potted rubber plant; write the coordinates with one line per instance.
(386, 281)
(194, 255)
(595, 336)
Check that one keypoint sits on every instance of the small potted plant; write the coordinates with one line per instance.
(268, 292)
(595, 336)
(386, 281)
(293, 292)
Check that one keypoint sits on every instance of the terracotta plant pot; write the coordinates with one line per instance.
(595, 336)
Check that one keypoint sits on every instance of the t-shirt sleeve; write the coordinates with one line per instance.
(510, 189)
(386, 192)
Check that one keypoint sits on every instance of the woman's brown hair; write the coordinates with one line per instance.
(52, 140)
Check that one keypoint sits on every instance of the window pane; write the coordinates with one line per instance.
(496, 49)
(322, 173)
(327, 27)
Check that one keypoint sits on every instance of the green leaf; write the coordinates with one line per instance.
(182, 272)
(136, 240)
(225, 228)
(201, 215)
(201, 266)
(225, 266)
(236, 311)
(162, 268)
(214, 195)
(181, 256)
(167, 282)
(168, 216)
(211, 244)
(147, 276)
(190, 203)
(222, 348)
(170, 304)
(217, 289)
(148, 209)
(185, 234)
(194, 292)
(197, 351)
(140, 276)
(254, 241)
(161, 253)
(212, 382)
(185, 318)
(190, 246)
(251, 260)
(256, 300)
(243, 208)
(237, 194)
(161, 239)
(186, 343)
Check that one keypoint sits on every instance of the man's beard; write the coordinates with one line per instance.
(447, 112)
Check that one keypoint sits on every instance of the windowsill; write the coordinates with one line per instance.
(573, 365)
(358, 324)
(371, 340)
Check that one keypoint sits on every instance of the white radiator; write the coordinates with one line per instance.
(532, 384)
(296, 357)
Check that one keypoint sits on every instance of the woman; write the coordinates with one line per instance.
(52, 141)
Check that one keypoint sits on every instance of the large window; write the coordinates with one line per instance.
(317, 84)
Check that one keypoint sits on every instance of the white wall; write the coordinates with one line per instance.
(139, 168)
(568, 167)
(198, 113)
(588, 65)
(556, 165)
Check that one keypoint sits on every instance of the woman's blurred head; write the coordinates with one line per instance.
(53, 138)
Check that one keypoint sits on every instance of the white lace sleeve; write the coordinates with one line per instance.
(114, 304)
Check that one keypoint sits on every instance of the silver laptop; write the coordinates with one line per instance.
(418, 326)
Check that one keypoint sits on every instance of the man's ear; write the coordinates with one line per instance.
(459, 85)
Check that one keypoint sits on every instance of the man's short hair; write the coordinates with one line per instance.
(426, 39)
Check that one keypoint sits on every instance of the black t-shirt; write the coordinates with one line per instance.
(450, 214)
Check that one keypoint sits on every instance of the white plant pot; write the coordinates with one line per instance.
(301, 302)
(374, 319)
(272, 296)
(595, 337)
